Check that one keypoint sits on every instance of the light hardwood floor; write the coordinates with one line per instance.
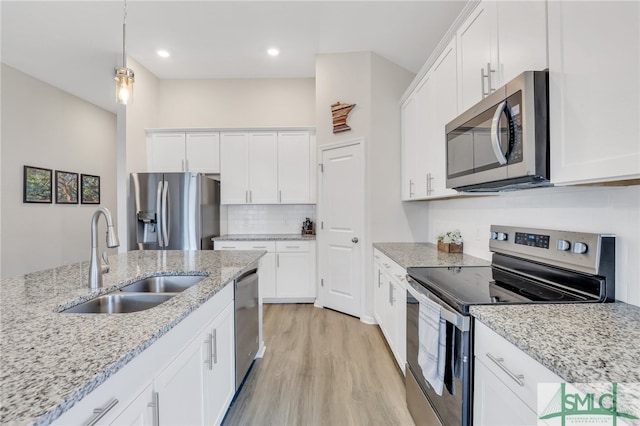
(321, 368)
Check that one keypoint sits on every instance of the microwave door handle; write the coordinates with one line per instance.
(495, 134)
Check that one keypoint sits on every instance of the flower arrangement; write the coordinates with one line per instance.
(450, 242)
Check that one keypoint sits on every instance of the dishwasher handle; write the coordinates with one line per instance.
(247, 274)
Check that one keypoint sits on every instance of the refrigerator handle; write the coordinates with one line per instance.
(159, 220)
(165, 214)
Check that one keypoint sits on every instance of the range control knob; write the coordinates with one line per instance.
(563, 245)
(579, 248)
(502, 236)
(494, 235)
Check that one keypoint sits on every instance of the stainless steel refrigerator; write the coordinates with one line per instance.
(173, 211)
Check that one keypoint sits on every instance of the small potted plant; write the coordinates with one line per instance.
(450, 242)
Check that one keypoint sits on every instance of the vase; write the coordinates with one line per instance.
(450, 247)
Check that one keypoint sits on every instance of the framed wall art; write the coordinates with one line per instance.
(37, 186)
(66, 187)
(90, 189)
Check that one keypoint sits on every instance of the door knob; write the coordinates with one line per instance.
(354, 240)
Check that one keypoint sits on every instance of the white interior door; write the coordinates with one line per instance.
(342, 216)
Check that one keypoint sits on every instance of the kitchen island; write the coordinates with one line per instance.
(51, 360)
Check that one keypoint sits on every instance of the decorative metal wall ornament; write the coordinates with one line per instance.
(340, 113)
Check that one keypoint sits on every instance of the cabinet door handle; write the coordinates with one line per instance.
(246, 197)
(429, 186)
(277, 260)
(214, 344)
(99, 413)
(391, 294)
(250, 197)
(209, 344)
(518, 378)
(379, 276)
(410, 188)
(488, 77)
(279, 195)
(155, 404)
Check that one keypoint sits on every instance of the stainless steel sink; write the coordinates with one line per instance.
(164, 284)
(120, 303)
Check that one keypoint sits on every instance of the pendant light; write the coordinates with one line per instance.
(123, 75)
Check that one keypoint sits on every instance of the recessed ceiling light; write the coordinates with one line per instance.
(163, 53)
(273, 52)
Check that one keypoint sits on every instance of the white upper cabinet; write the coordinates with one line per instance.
(294, 167)
(263, 168)
(166, 152)
(183, 152)
(594, 80)
(522, 43)
(234, 168)
(249, 173)
(477, 55)
(267, 167)
(445, 109)
(495, 44)
(203, 152)
(424, 116)
(409, 138)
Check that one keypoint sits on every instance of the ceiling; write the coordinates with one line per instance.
(74, 45)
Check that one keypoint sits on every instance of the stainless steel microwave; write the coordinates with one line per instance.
(502, 142)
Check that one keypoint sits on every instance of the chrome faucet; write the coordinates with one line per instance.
(95, 266)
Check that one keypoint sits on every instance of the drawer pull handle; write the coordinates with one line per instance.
(292, 247)
(260, 247)
(99, 413)
(518, 378)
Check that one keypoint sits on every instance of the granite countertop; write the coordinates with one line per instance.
(263, 237)
(50, 360)
(426, 255)
(581, 343)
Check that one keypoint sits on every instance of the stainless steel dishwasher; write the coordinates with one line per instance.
(246, 322)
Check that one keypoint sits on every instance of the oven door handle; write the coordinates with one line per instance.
(462, 322)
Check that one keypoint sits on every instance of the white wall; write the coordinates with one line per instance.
(375, 85)
(613, 210)
(45, 127)
(390, 219)
(236, 103)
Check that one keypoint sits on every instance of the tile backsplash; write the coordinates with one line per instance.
(268, 219)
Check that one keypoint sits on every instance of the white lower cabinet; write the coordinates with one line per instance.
(494, 404)
(197, 387)
(505, 381)
(390, 304)
(186, 377)
(287, 272)
(140, 412)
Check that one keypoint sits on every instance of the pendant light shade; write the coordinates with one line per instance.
(124, 85)
(124, 76)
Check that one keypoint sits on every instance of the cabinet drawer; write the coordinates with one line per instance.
(501, 357)
(292, 246)
(395, 271)
(269, 246)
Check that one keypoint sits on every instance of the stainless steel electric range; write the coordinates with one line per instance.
(528, 266)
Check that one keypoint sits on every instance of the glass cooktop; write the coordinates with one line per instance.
(462, 287)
